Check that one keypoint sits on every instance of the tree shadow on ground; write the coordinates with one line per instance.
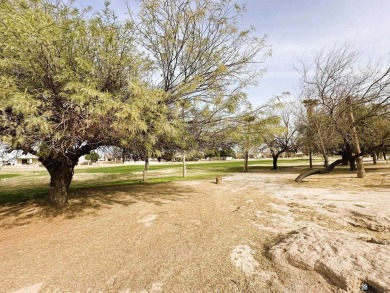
(377, 186)
(280, 169)
(340, 170)
(376, 168)
(90, 201)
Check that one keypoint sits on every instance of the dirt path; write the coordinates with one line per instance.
(197, 237)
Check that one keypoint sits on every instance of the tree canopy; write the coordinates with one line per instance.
(349, 95)
(203, 61)
(72, 80)
(69, 83)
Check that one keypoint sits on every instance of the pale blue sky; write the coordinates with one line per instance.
(296, 29)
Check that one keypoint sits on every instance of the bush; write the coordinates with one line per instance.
(93, 157)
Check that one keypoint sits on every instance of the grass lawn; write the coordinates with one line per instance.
(10, 175)
(207, 167)
(33, 184)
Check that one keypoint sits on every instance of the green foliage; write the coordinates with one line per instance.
(70, 82)
(92, 156)
(376, 133)
(252, 130)
(203, 62)
(221, 153)
(350, 94)
(227, 152)
(199, 45)
(67, 78)
(210, 153)
(282, 135)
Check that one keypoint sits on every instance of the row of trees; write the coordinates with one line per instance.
(170, 79)
(346, 107)
(72, 80)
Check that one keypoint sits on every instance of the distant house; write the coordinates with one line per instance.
(109, 158)
(27, 159)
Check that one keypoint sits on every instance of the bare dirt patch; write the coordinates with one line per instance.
(251, 233)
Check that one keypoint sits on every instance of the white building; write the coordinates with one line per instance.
(27, 159)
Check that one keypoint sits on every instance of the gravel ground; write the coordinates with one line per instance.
(191, 236)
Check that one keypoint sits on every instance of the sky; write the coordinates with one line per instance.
(297, 29)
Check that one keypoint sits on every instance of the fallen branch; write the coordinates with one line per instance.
(330, 167)
(318, 171)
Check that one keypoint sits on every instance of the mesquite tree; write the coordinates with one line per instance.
(283, 138)
(203, 62)
(376, 136)
(250, 130)
(350, 92)
(316, 132)
(66, 84)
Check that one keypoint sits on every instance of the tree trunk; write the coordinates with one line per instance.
(310, 160)
(361, 173)
(183, 156)
(59, 185)
(246, 159)
(275, 161)
(384, 156)
(61, 170)
(352, 164)
(123, 156)
(374, 158)
(325, 155)
(146, 168)
(344, 158)
(326, 160)
(318, 171)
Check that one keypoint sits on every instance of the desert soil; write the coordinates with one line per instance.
(255, 232)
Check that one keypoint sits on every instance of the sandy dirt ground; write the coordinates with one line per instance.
(255, 232)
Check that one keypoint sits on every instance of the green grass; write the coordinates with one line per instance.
(227, 166)
(35, 187)
(22, 194)
(10, 175)
(124, 169)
